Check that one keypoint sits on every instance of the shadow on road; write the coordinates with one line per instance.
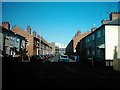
(60, 75)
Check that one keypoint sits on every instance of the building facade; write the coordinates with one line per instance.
(1, 42)
(60, 49)
(28, 36)
(8, 42)
(12, 43)
(35, 43)
(53, 47)
(102, 43)
(46, 47)
(71, 47)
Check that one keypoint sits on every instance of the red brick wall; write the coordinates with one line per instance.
(29, 37)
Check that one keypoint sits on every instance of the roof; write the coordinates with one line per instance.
(115, 21)
(20, 31)
(6, 30)
(100, 28)
(11, 32)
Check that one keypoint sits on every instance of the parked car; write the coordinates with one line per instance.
(63, 58)
(37, 58)
(43, 56)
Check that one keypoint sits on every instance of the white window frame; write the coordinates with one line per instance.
(28, 42)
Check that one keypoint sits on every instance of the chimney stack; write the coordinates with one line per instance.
(34, 34)
(104, 22)
(6, 25)
(29, 29)
(114, 15)
(38, 36)
(78, 33)
(93, 29)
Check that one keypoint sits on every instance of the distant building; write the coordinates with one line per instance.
(41, 46)
(60, 48)
(56, 50)
(46, 47)
(71, 47)
(35, 43)
(53, 47)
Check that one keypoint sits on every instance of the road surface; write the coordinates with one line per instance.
(52, 74)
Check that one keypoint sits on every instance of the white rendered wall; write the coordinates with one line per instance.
(119, 42)
(111, 40)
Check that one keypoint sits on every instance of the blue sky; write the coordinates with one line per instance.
(57, 21)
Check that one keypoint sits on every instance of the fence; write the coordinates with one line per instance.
(97, 62)
(109, 63)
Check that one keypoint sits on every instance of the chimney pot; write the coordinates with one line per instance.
(29, 29)
(114, 15)
(104, 21)
(39, 37)
(6, 25)
(34, 34)
(93, 29)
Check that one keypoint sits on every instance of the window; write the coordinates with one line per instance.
(103, 32)
(88, 52)
(98, 52)
(93, 52)
(87, 39)
(17, 39)
(28, 42)
(7, 37)
(93, 37)
(23, 44)
(10, 37)
(99, 34)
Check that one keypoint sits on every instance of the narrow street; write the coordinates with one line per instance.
(38, 41)
(56, 58)
(60, 75)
